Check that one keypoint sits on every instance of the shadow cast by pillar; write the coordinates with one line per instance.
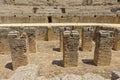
(9, 66)
(58, 63)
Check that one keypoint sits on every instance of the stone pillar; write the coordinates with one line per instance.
(18, 49)
(31, 39)
(62, 29)
(116, 45)
(53, 33)
(87, 38)
(70, 48)
(4, 43)
(104, 43)
(42, 33)
(61, 38)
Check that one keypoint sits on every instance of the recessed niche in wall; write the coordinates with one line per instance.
(63, 10)
(49, 19)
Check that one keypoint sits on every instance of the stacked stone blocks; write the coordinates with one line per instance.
(87, 40)
(116, 45)
(70, 48)
(31, 39)
(104, 42)
(18, 49)
(62, 29)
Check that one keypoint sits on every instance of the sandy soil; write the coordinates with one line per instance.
(49, 60)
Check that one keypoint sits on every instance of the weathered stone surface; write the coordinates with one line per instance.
(4, 43)
(115, 75)
(29, 72)
(91, 76)
(62, 29)
(18, 49)
(104, 43)
(87, 42)
(71, 77)
(70, 48)
(53, 33)
(98, 28)
(116, 45)
(42, 33)
(31, 38)
(19, 29)
(44, 78)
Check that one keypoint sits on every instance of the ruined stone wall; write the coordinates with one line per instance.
(57, 11)
(59, 2)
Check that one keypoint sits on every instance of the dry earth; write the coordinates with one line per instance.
(49, 60)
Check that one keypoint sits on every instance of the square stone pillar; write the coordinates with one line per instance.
(61, 38)
(18, 49)
(104, 43)
(116, 45)
(87, 38)
(4, 43)
(70, 48)
(62, 29)
(42, 33)
(53, 33)
(31, 39)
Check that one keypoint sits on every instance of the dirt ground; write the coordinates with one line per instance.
(49, 60)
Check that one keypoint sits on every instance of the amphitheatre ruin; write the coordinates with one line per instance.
(59, 39)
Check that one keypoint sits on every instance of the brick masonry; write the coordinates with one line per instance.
(18, 49)
(42, 33)
(62, 29)
(4, 43)
(116, 45)
(87, 38)
(104, 43)
(31, 38)
(70, 48)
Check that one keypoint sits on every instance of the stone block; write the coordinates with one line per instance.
(62, 29)
(18, 49)
(4, 43)
(87, 40)
(104, 42)
(31, 37)
(116, 45)
(42, 33)
(70, 48)
(53, 33)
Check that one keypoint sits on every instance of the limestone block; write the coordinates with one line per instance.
(18, 49)
(20, 29)
(87, 41)
(29, 72)
(70, 48)
(104, 43)
(62, 29)
(53, 33)
(4, 43)
(116, 45)
(42, 33)
(31, 31)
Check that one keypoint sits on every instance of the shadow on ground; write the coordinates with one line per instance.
(9, 66)
(58, 63)
(56, 49)
(88, 61)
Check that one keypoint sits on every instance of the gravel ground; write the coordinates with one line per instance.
(49, 60)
